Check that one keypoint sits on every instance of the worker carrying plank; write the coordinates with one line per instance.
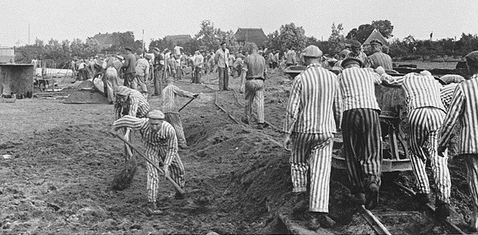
(161, 146)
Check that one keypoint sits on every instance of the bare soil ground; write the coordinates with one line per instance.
(57, 163)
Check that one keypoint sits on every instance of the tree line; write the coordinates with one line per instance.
(287, 36)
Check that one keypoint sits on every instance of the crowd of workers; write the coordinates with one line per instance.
(321, 103)
(332, 94)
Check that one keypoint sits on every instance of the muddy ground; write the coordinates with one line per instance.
(57, 163)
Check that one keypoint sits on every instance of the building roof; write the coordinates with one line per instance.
(375, 35)
(255, 35)
(104, 40)
(179, 39)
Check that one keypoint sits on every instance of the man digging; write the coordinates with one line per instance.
(130, 102)
(170, 92)
(161, 146)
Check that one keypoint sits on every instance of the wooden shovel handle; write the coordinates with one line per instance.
(145, 158)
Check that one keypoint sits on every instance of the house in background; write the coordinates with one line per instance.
(255, 35)
(374, 35)
(178, 39)
(7, 55)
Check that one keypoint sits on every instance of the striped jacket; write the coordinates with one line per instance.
(446, 94)
(314, 103)
(422, 91)
(169, 98)
(463, 107)
(136, 105)
(380, 59)
(358, 88)
(163, 142)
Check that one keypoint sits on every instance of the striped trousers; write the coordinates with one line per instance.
(176, 171)
(175, 120)
(255, 91)
(362, 147)
(312, 157)
(424, 127)
(471, 163)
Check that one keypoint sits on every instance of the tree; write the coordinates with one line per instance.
(159, 43)
(288, 36)
(361, 34)
(122, 40)
(336, 39)
(385, 27)
(207, 36)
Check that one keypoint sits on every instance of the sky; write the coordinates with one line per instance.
(68, 19)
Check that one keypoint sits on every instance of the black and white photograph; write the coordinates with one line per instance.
(238, 117)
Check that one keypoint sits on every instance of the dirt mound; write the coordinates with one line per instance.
(86, 97)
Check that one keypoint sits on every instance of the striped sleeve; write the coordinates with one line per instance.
(172, 144)
(455, 109)
(182, 93)
(293, 105)
(446, 94)
(393, 80)
(130, 122)
(134, 105)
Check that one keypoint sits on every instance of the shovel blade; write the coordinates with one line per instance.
(124, 178)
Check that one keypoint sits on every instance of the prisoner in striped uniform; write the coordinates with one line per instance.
(361, 131)
(464, 108)
(130, 102)
(378, 58)
(254, 73)
(446, 94)
(312, 116)
(170, 92)
(426, 113)
(161, 145)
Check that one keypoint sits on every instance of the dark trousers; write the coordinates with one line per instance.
(362, 147)
(197, 74)
(158, 80)
(128, 79)
(223, 78)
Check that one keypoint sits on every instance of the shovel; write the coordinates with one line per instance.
(122, 180)
(178, 188)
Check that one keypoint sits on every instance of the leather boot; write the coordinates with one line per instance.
(442, 209)
(318, 220)
(422, 198)
(301, 204)
(371, 196)
(358, 198)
